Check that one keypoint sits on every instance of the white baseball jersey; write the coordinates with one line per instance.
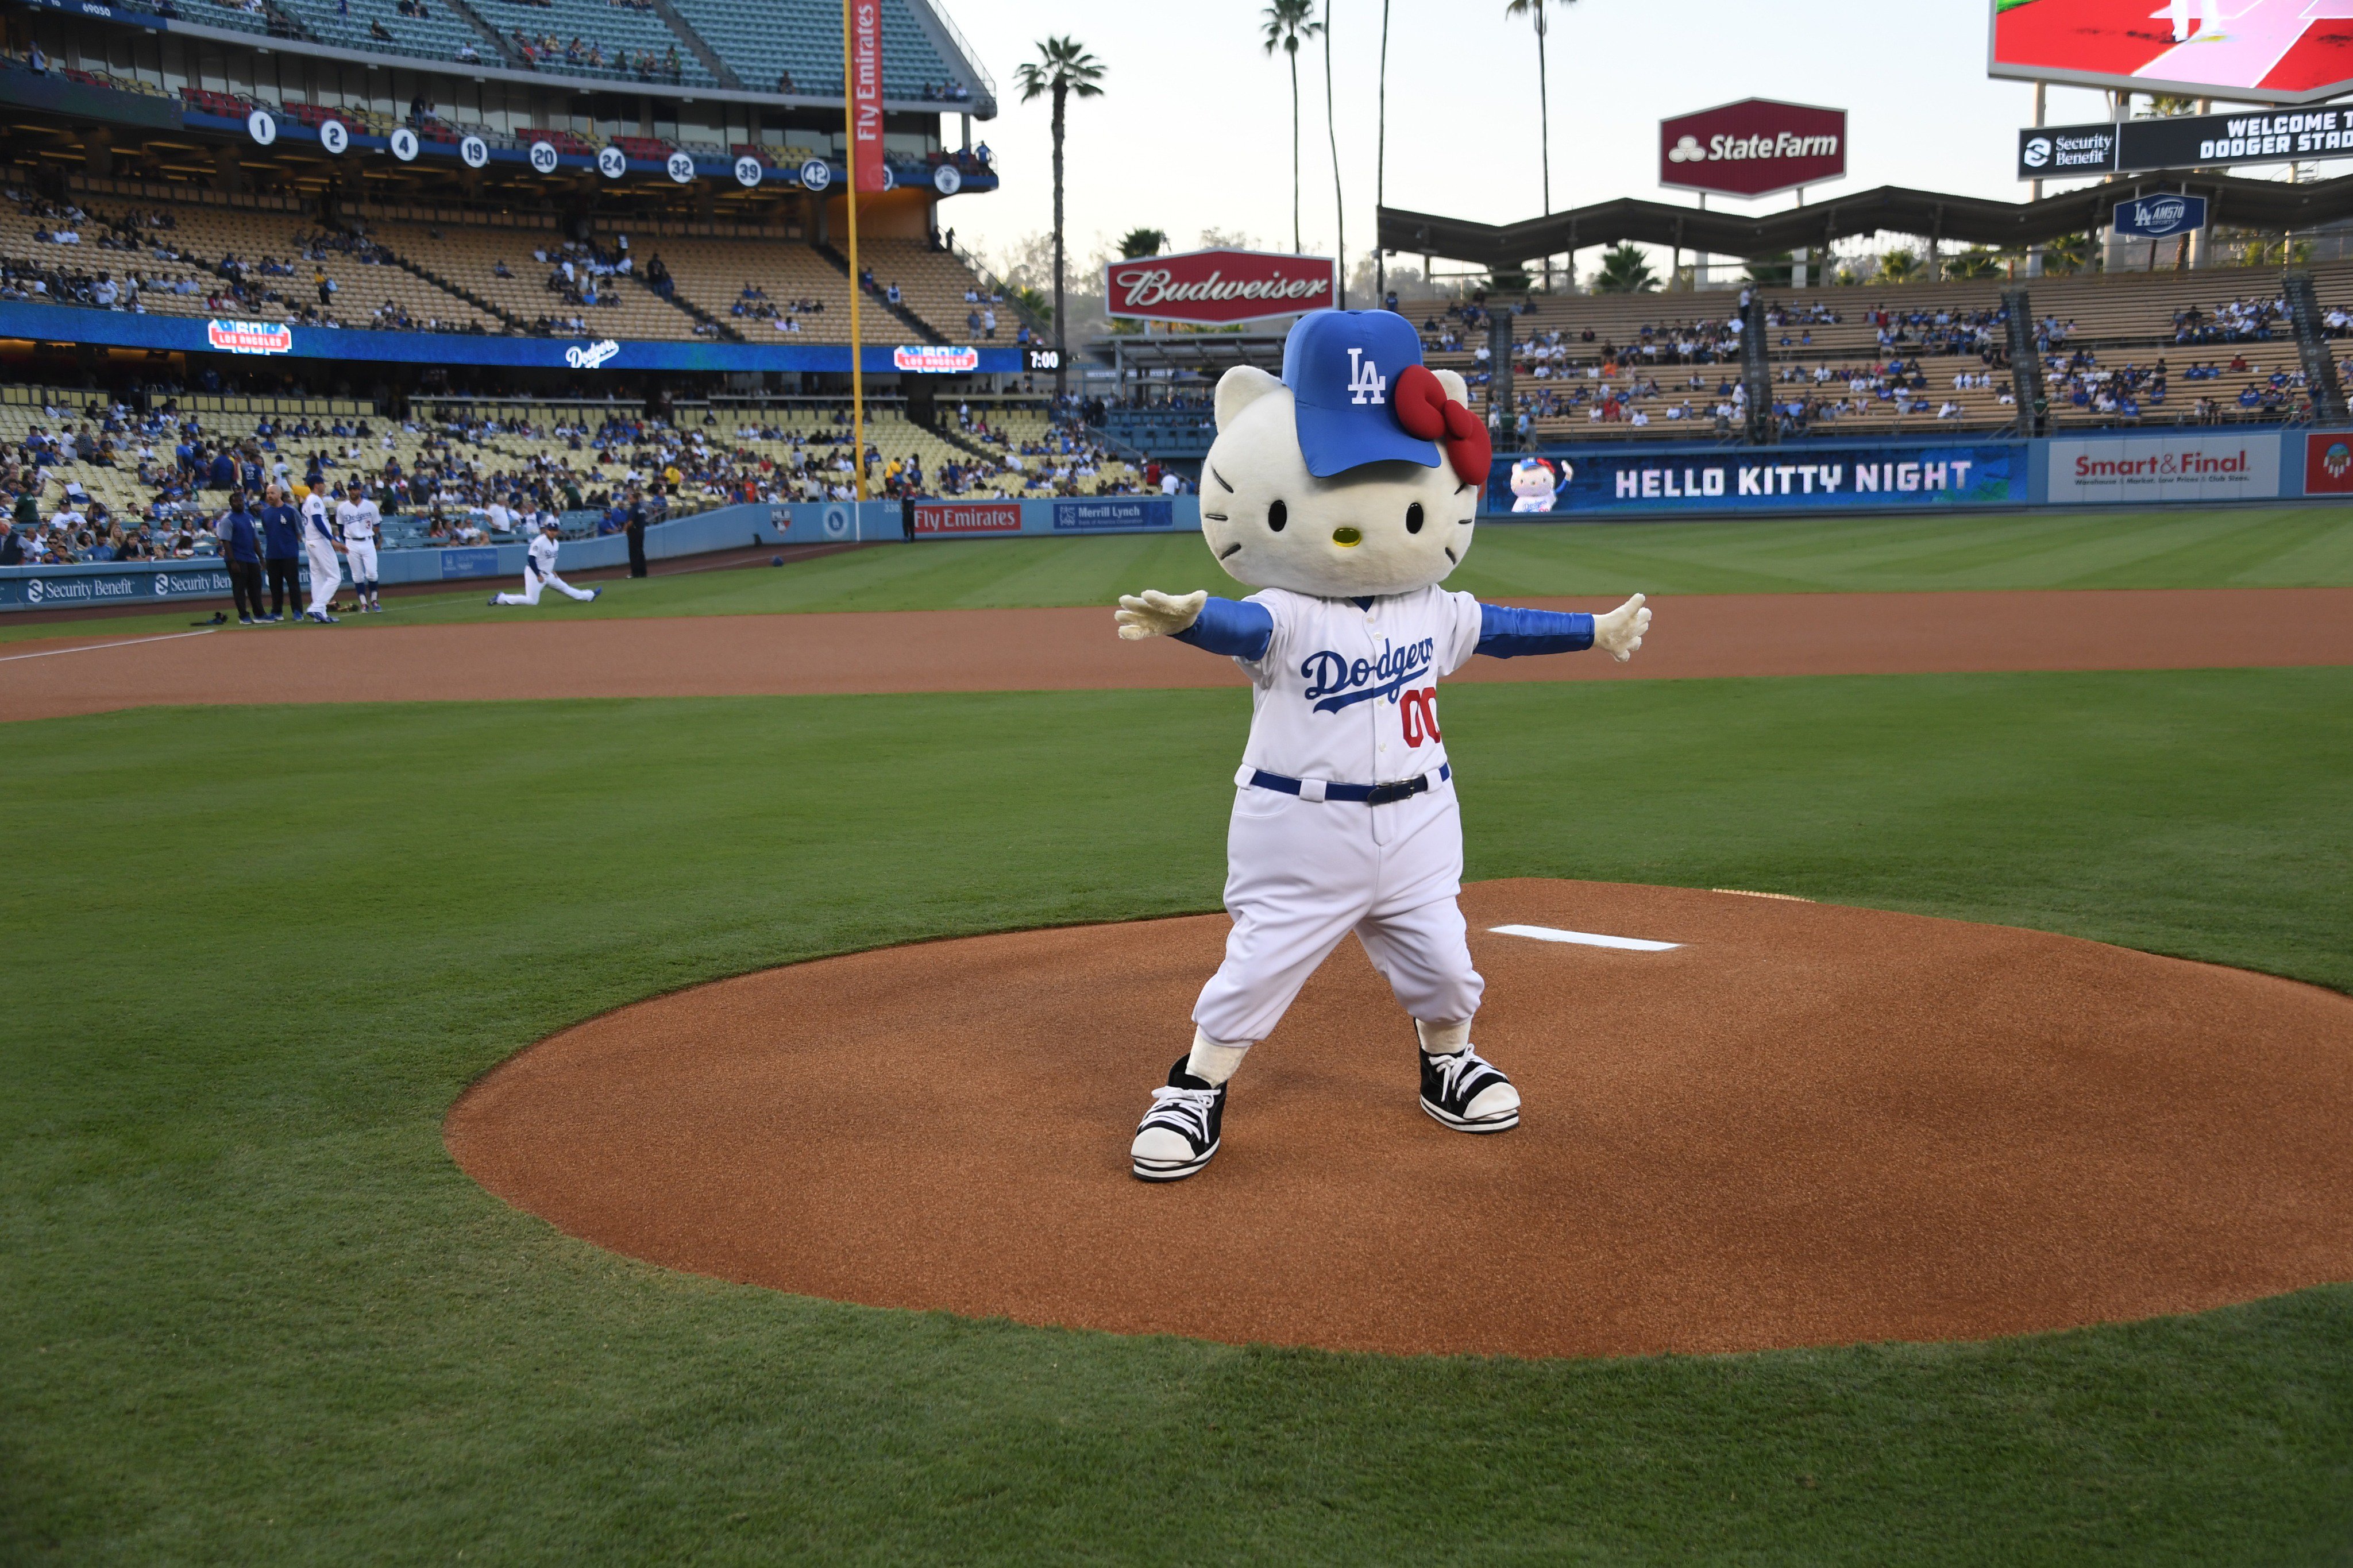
(1347, 692)
(358, 519)
(543, 555)
(314, 518)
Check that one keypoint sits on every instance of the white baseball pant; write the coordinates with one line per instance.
(362, 554)
(531, 584)
(1301, 874)
(326, 573)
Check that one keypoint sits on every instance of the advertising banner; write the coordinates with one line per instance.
(866, 93)
(2183, 141)
(2158, 218)
(475, 560)
(2264, 51)
(1752, 148)
(2187, 466)
(1215, 287)
(92, 588)
(1796, 480)
(935, 360)
(1111, 516)
(2328, 463)
(944, 519)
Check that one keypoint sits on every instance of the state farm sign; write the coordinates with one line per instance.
(1217, 287)
(1752, 148)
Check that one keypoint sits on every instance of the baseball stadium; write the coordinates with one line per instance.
(495, 1075)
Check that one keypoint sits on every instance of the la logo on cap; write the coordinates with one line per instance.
(1366, 382)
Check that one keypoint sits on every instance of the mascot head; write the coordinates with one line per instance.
(1358, 472)
(1533, 482)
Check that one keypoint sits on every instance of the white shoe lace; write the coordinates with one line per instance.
(1458, 1067)
(1184, 1111)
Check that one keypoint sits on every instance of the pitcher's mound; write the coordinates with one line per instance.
(1806, 1124)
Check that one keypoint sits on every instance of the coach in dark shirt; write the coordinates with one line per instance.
(241, 553)
(12, 549)
(635, 529)
(282, 550)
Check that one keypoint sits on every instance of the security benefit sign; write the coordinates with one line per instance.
(1876, 478)
(2159, 216)
(963, 520)
(2166, 468)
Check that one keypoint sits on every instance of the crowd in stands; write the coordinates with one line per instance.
(547, 51)
(754, 304)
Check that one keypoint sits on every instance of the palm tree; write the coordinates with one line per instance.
(1139, 243)
(1287, 22)
(1331, 128)
(1625, 271)
(1899, 267)
(1064, 69)
(1535, 8)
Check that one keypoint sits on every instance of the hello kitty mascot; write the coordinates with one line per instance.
(1345, 493)
(1533, 485)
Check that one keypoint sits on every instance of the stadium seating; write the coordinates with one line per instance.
(441, 34)
(467, 257)
(760, 38)
(625, 35)
(933, 284)
(714, 274)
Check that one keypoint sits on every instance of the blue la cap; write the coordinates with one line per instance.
(1340, 366)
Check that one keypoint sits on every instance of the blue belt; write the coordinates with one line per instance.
(1369, 794)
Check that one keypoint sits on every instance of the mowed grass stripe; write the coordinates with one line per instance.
(2281, 547)
(252, 1310)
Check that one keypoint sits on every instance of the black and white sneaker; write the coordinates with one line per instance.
(1469, 1093)
(1179, 1133)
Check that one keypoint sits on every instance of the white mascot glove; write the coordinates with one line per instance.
(1154, 614)
(1618, 633)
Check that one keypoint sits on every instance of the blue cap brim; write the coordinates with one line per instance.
(1334, 440)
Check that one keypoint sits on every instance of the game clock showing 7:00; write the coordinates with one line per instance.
(1045, 359)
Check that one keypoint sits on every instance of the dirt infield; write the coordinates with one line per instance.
(1808, 1125)
(1074, 650)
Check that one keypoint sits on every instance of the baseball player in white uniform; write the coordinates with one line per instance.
(1327, 491)
(539, 571)
(319, 545)
(358, 519)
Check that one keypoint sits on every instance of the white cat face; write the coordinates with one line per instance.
(1382, 528)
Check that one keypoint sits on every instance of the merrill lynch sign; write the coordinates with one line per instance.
(1215, 287)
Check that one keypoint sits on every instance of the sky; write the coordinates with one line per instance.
(1193, 131)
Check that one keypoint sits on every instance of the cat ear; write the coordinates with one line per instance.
(1456, 387)
(1241, 386)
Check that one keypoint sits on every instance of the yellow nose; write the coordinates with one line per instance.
(1347, 536)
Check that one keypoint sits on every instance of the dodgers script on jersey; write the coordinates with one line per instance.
(1347, 693)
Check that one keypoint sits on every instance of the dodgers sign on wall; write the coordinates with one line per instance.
(681, 167)
(473, 151)
(2159, 216)
(1752, 148)
(403, 142)
(261, 127)
(750, 172)
(612, 162)
(543, 157)
(948, 179)
(336, 137)
(816, 175)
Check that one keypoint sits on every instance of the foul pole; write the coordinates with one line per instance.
(850, 203)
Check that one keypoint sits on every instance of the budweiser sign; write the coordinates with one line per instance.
(1213, 287)
(1752, 148)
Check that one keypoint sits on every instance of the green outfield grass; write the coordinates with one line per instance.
(251, 1313)
(2287, 547)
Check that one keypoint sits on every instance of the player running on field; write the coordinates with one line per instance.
(539, 571)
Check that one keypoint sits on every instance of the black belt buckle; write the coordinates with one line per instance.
(1390, 794)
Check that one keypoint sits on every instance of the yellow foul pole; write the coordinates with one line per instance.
(849, 204)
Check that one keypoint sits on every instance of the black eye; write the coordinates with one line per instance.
(1276, 516)
(1413, 517)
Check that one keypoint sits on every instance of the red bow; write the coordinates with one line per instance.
(1428, 414)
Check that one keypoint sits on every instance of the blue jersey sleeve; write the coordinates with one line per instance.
(1240, 629)
(1507, 633)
